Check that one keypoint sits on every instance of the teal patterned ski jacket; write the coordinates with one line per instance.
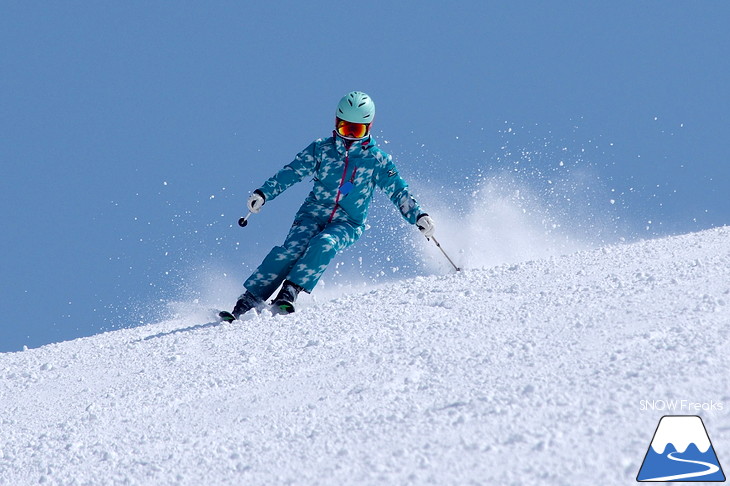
(344, 180)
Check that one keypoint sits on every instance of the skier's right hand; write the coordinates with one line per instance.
(256, 201)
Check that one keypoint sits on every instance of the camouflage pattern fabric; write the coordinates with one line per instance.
(333, 215)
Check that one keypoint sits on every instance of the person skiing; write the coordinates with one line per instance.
(346, 168)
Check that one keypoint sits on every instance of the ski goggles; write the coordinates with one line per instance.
(352, 130)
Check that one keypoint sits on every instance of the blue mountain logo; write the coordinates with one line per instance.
(681, 451)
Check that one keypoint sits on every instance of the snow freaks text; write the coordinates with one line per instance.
(680, 406)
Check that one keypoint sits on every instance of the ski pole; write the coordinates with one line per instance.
(442, 251)
(244, 221)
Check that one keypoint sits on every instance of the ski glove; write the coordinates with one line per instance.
(255, 202)
(426, 225)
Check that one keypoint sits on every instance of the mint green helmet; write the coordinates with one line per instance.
(356, 107)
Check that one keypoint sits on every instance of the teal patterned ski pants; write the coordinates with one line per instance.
(309, 247)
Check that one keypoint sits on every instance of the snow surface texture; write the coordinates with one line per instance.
(528, 373)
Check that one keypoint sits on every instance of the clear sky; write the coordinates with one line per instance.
(131, 133)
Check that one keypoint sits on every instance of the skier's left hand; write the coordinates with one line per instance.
(426, 225)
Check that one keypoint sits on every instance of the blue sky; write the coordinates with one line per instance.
(133, 132)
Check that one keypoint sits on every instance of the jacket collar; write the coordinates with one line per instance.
(357, 147)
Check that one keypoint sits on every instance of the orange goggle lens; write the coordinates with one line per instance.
(352, 130)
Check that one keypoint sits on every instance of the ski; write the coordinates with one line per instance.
(225, 316)
(278, 308)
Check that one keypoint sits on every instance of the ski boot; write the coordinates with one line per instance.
(245, 303)
(284, 302)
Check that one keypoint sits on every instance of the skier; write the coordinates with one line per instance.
(346, 168)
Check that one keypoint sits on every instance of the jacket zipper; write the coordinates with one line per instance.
(342, 181)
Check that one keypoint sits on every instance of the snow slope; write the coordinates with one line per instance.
(530, 374)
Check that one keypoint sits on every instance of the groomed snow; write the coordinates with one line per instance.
(529, 374)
